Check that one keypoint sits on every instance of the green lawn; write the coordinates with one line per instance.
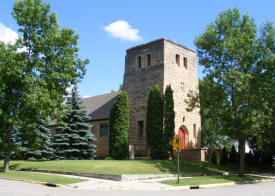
(50, 178)
(119, 167)
(211, 180)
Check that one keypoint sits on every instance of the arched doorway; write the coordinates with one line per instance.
(183, 132)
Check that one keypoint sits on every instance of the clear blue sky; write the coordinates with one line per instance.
(178, 20)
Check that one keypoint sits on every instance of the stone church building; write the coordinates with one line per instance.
(160, 62)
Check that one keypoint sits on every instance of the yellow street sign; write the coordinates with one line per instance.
(177, 142)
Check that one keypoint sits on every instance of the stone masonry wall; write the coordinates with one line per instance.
(137, 82)
(182, 80)
(102, 143)
(163, 71)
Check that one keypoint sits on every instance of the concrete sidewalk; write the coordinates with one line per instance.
(99, 184)
(150, 184)
(146, 184)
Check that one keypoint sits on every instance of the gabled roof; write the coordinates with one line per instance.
(98, 107)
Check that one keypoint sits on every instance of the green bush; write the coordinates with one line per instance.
(215, 158)
(257, 159)
(169, 121)
(154, 124)
(249, 158)
(119, 127)
(233, 156)
(224, 158)
(266, 159)
(108, 158)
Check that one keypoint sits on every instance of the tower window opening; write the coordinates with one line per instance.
(185, 62)
(139, 61)
(178, 59)
(148, 59)
(140, 129)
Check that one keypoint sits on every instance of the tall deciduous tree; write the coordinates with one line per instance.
(154, 123)
(208, 101)
(119, 128)
(235, 57)
(35, 72)
(74, 139)
(169, 120)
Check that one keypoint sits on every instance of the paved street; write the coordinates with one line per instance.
(17, 188)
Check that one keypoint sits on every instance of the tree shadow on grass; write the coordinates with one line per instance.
(239, 178)
(14, 166)
(186, 166)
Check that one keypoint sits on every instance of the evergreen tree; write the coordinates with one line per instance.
(17, 140)
(119, 127)
(233, 156)
(73, 140)
(249, 159)
(169, 120)
(44, 150)
(224, 158)
(215, 158)
(154, 124)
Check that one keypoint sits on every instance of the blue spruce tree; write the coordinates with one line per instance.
(74, 139)
(41, 149)
(44, 149)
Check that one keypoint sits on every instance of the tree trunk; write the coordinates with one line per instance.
(242, 153)
(6, 163)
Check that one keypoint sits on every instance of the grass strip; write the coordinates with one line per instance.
(120, 166)
(50, 178)
(200, 180)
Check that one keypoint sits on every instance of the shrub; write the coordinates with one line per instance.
(224, 158)
(154, 124)
(233, 156)
(119, 127)
(169, 121)
(249, 158)
(215, 158)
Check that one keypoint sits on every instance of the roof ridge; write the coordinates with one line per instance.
(101, 95)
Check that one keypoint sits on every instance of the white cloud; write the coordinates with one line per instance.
(69, 89)
(87, 96)
(7, 35)
(121, 29)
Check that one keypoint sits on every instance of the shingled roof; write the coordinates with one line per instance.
(98, 107)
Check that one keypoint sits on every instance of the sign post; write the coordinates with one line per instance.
(177, 143)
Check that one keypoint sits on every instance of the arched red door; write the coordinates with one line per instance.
(181, 133)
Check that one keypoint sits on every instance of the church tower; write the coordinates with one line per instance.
(161, 62)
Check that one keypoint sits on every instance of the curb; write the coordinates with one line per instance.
(205, 186)
(177, 188)
(37, 182)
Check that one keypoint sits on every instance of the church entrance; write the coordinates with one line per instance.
(181, 133)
